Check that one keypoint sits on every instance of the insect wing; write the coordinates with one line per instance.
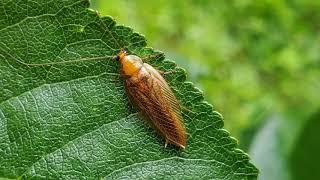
(151, 93)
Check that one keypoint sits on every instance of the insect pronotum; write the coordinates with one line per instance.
(149, 91)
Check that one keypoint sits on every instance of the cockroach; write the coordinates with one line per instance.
(148, 90)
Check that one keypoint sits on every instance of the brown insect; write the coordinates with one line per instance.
(148, 90)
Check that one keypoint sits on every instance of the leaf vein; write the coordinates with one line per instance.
(71, 141)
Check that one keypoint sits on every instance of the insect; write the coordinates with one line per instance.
(150, 92)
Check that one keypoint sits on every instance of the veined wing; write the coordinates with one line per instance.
(151, 93)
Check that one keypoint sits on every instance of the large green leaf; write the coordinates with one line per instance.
(304, 163)
(290, 154)
(73, 120)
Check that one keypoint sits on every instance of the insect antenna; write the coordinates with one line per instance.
(151, 56)
(120, 47)
(20, 61)
(106, 30)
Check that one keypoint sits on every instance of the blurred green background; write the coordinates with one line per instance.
(257, 62)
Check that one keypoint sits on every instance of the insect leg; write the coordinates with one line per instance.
(159, 55)
(186, 109)
(166, 143)
(166, 72)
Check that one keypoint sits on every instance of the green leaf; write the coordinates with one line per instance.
(272, 159)
(304, 161)
(73, 120)
(292, 145)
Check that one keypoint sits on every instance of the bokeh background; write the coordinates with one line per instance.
(257, 62)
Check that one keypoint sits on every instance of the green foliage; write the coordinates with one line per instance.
(291, 151)
(255, 60)
(272, 158)
(73, 120)
(305, 165)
